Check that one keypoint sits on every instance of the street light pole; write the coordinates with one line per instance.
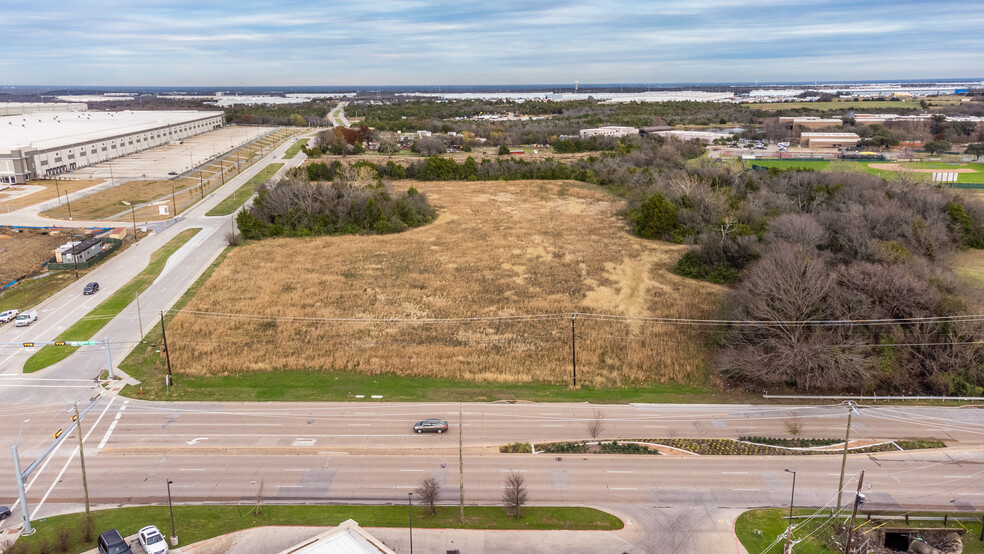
(174, 201)
(174, 536)
(789, 527)
(85, 482)
(410, 509)
(133, 216)
(847, 438)
(25, 511)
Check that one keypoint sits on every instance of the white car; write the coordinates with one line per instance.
(152, 540)
(8, 316)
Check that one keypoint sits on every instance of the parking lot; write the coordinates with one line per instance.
(157, 163)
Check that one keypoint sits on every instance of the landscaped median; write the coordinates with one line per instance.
(295, 148)
(239, 197)
(197, 523)
(91, 323)
(744, 446)
(816, 531)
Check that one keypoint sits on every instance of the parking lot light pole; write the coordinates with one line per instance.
(789, 527)
(133, 216)
(170, 507)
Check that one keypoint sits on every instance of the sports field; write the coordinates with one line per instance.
(967, 173)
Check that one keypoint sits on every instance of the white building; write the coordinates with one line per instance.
(38, 145)
(609, 131)
(829, 140)
(21, 108)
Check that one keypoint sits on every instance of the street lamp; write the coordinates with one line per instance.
(174, 536)
(789, 527)
(410, 508)
(25, 511)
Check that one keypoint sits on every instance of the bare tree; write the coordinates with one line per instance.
(596, 424)
(514, 494)
(794, 425)
(428, 491)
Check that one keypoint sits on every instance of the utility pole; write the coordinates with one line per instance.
(139, 319)
(789, 527)
(858, 500)
(461, 467)
(167, 352)
(201, 182)
(85, 483)
(847, 437)
(573, 351)
(174, 200)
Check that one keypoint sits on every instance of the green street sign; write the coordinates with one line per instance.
(83, 342)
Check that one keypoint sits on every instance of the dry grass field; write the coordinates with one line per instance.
(497, 250)
(64, 187)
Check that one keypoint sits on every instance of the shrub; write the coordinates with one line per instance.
(655, 218)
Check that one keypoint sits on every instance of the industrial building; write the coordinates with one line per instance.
(609, 131)
(829, 140)
(21, 108)
(43, 144)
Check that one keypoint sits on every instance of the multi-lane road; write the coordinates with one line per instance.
(365, 452)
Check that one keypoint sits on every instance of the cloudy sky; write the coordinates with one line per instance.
(407, 42)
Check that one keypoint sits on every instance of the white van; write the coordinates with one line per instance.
(27, 318)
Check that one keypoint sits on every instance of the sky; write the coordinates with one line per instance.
(406, 42)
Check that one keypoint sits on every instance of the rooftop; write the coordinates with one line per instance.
(54, 129)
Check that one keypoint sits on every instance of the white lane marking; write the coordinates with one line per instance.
(745, 490)
(7, 385)
(618, 471)
(622, 489)
(547, 425)
(112, 425)
(655, 426)
(413, 470)
(292, 486)
(513, 470)
(69, 460)
(956, 476)
(191, 469)
(196, 441)
(734, 473)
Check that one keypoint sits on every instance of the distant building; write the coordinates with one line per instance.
(22, 108)
(703, 136)
(810, 122)
(829, 140)
(609, 131)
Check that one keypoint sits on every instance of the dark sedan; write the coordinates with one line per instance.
(4, 513)
(91, 288)
(431, 425)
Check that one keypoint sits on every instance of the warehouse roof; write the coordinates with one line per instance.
(52, 130)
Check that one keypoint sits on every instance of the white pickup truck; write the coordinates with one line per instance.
(8, 316)
(27, 318)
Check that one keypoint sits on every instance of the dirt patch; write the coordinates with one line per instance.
(902, 167)
(23, 251)
(498, 249)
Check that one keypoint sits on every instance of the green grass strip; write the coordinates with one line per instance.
(91, 323)
(242, 194)
(197, 523)
(295, 148)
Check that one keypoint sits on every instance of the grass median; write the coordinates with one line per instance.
(243, 193)
(295, 148)
(91, 323)
(197, 523)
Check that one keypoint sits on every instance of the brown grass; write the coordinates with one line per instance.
(497, 249)
(49, 193)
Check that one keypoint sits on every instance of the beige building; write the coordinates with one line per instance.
(609, 131)
(829, 140)
(809, 122)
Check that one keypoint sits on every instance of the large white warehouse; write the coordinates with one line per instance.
(38, 145)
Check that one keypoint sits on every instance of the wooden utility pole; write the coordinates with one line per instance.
(85, 483)
(854, 513)
(136, 295)
(167, 351)
(847, 437)
(461, 467)
(573, 352)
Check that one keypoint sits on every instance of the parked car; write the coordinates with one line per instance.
(152, 540)
(26, 318)
(111, 542)
(91, 288)
(8, 316)
(4, 512)
(431, 425)
(172, 172)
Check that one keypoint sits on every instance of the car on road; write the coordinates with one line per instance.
(152, 540)
(91, 288)
(8, 316)
(172, 172)
(431, 425)
(111, 542)
(26, 318)
(4, 512)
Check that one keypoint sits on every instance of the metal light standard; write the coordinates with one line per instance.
(133, 216)
(410, 508)
(25, 511)
(170, 507)
(789, 527)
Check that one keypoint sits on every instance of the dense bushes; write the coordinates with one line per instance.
(294, 208)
